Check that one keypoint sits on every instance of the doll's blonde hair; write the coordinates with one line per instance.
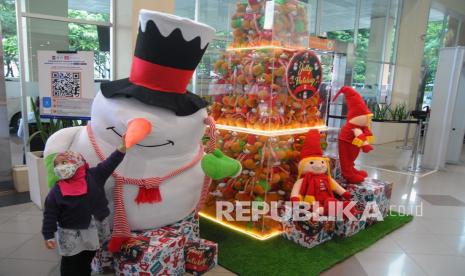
(307, 159)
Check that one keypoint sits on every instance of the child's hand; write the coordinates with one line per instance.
(122, 147)
(50, 244)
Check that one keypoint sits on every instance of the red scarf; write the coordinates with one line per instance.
(311, 185)
(76, 185)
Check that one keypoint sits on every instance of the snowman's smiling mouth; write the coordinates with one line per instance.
(168, 142)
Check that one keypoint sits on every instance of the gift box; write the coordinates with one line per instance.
(158, 255)
(189, 228)
(346, 228)
(200, 256)
(103, 260)
(308, 233)
(368, 193)
(134, 249)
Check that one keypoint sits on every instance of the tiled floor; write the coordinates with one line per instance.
(432, 244)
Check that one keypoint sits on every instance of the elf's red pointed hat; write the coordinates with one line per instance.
(312, 145)
(168, 49)
(355, 104)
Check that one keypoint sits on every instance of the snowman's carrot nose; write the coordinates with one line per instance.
(138, 129)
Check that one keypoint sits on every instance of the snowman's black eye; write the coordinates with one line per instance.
(311, 162)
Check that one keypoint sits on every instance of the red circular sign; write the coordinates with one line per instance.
(303, 75)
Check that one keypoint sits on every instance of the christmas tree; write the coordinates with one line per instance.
(265, 100)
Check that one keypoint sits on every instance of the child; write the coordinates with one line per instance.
(78, 204)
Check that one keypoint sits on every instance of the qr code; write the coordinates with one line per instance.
(66, 84)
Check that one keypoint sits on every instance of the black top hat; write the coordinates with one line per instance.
(168, 49)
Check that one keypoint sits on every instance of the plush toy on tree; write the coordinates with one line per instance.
(355, 135)
(315, 183)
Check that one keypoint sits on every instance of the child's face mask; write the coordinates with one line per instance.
(65, 171)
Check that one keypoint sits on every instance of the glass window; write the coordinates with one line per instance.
(96, 10)
(63, 36)
(185, 8)
(375, 49)
(311, 11)
(9, 39)
(338, 17)
(434, 40)
(218, 15)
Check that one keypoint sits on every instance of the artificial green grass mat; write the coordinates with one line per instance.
(278, 256)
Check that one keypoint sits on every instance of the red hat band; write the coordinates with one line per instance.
(158, 77)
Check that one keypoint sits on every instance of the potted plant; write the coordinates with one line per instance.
(387, 125)
(400, 112)
(37, 174)
(380, 112)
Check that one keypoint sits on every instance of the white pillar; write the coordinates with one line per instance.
(413, 23)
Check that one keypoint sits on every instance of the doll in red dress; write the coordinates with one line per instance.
(315, 183)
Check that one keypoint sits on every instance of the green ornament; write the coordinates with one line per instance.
(261, 22)
(237, 23)
(299, 26)
(264, 184)
(280, 2)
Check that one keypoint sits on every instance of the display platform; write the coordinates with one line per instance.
(245, 255)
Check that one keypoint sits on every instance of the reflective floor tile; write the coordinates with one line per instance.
(442, 200)
(388, 264)
(14, 267)
(25, 224)
(34, 249)
(349, 267)
(9, 242)
(441, 265)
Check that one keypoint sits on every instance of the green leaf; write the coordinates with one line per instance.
(264, 184)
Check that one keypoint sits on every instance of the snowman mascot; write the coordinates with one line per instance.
(161, 180)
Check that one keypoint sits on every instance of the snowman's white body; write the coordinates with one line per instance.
(181, 193)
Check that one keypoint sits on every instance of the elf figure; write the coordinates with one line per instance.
(315, 183)
(355, 135)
